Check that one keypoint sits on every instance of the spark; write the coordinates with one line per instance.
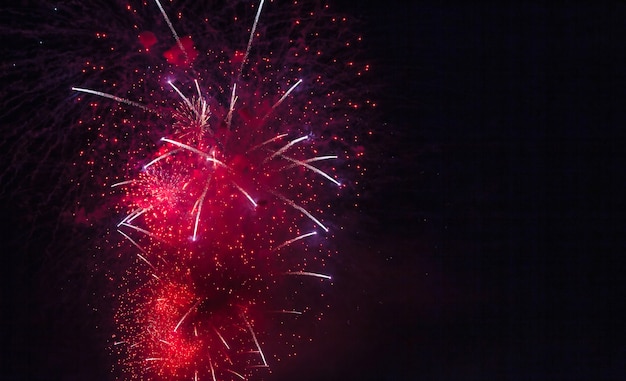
(132, 216)
(290, 312)
(312, 168)
(282, 98)
(212, 370)
(256, 21)
(245, 194)
(199, 108)
(198, 88)
(267, 142)
(122, 183)
(186, 314)
(301, 209)
(221, 338)
(289, 242)
(287, 146)
(185, 99)
(308, 273)
(132, 241)
(314, 159)
(199, 206)
(159, 158)
(255, 341)
(236, 374)
(231, 108)
(113, 97)
(139, 213)
(144, 231)
(194, 150)
(169, 24)
(147, 261)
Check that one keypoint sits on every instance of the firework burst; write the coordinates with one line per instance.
(232, 150)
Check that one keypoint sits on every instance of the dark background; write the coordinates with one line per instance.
(491, 239)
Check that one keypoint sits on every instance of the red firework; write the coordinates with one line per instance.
(225, 196)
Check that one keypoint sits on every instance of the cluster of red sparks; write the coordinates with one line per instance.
(228, 201)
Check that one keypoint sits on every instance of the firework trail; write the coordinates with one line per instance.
(219, 149)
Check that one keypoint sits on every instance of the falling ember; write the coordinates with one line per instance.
(227, 193)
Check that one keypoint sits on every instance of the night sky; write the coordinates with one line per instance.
(488, 246)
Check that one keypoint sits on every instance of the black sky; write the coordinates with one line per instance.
(491, 240)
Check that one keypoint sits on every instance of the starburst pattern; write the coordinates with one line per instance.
(224, 194)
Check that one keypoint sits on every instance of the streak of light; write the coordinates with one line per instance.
(245, 194)
(228, 359)
(282, 98)
(113, 97)
(160, 158)
(256, 21)
(194, 150)
(198, 204)
(290, 312)
(221, 338)
(267, 142)
(169, 24)
(187, 101)
(144, 231)
(289, 242)
(132, 241)
(235, 373)
(286, 147)
(318, 158)
(125, 219)
(186, 314)
(212, 370)
(198, 88)
(201, 108)
(122, 183)
(138, 212)
(231, 108)
(307, 273)
(312, 168)
(311, 160)
(255, 341)
(304, 211)
(147, 261)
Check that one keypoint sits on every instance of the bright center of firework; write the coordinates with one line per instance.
(192, 115)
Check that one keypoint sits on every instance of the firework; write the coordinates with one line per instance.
(222, 189)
